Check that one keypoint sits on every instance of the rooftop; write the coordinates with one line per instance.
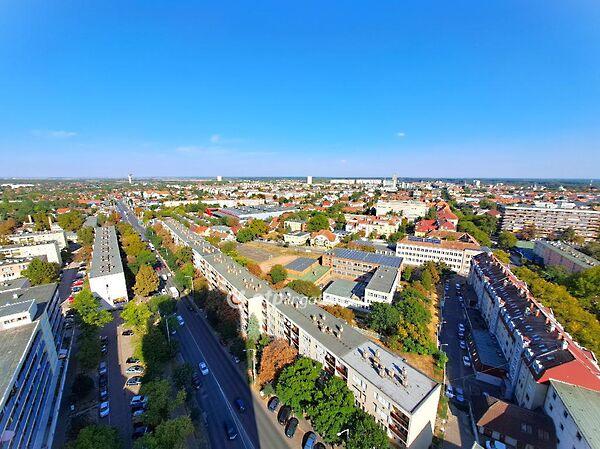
(568, 252)
(301, 264)
(432, 242)
(106, 257)
(363, 256)
(345, 289)
(383, 279)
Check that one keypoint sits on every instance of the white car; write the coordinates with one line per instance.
(454, 391)
(463, 344)
(180, 320)
(203, 368)
(138, 401)
(104, 409)
(466, 361)
(493, 444)
(135, 369)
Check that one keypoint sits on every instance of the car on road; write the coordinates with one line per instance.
(127, 333)
(311, 439)
(131, 360)
(135, 380)
(290, 428)
(103, 393)
(239, 404)
(103, 380)
(461, 327)
(230, 430)
(196, 381)
(273, 404)
(138, 401)
(180, 320)
(467, 361)
(284, 414)
(203, 368)
(104, 409)
(135, 369)
(102, 368)
(463, 344)
(493, 444)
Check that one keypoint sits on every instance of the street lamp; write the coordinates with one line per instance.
(345, 431)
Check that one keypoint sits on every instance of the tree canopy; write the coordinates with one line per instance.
(41, 272)
(88, 308)
(97, 436)
(278, 274)
(71, 221)
(146, 281)
(296, 385)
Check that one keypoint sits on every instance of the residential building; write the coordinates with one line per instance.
(455, 254)
(549, 220)
(382, 286)
(369, 224)
(309, 180)
(298, 238)
(345, 293)
(295, 225)
(516, 427)
(411, 210)
(301, 266)
(575, 412)
(533, 342)
(402, 399)
(50, 251)
(107, 278)
(31, 381)
(30, 238)
(357, 265)
(560, 254)
(11, 268)
(324, 238)
(374, 246)
(260, 212)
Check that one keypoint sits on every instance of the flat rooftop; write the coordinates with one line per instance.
(345, 289)
(570, 253)
(383, 279)
(364, 256)
(301, 264)
(106, 257)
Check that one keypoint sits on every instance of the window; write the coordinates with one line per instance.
(565, 414)
(578, 436)
(554, 395)
(526, 428)
(562, 427)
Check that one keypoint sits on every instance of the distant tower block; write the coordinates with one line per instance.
(394, 181)
(219, 178)
(130, 177)
(309, 180)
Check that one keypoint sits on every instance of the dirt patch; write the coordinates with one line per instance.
(281, 260)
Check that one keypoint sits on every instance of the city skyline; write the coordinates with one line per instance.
(501, 90)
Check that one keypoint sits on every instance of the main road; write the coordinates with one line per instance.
(224, 383)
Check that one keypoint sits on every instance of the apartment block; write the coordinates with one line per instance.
(107, 278)
(411, 210)
(48, 250)
(402, 399)
(533, 342)
(30, 238)
(455, 254)
(11, 268)
(548, 221)
(574, 411)
(368, 224)
(357, 265)
(560, 254)
(30, 385)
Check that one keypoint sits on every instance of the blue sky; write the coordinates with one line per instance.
(425, 89)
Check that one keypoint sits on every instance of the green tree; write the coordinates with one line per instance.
(136, 314)
(278, 274)
(258, 227)
(161, 401)
(502, 256)
(568, 235)
(89, 353)
(407, 273)
(41, 272)
(253, 330)
(97, 436)
(305, 288)
(82, 385)
(507, 240)
(384, 318)
(88, 308)
(426, 280)
(317, 222)
(182, 375)
(245, 235)
(184, 255)
(146, 281)
(71, 221)
(296, 385)
(171, 434)
(365, 433)
(332, 410)
(85, 236)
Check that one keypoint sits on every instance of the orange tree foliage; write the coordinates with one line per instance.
(275, 356)
(341, 312)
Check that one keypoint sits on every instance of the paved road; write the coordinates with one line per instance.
(128, 216)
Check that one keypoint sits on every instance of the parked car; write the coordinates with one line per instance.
(203, 368)
(461, 327)
(104, 409)
(103, 380)
(102, 368)
(137, 412)
(290, 428)
(103, 393)
(62, 354)
(139, 430)
(453, 391)
(239, 404)
(493, 444)
(127, 333)
(230, 430)
(466, 361)
(138, 401)
(311, 439)
(76, 289)
(132, 381)
(196, 381)
(273, 404)
(180, 320)
(135, 369)
(131, 360)
(77, 283)
(284, 414)
(463, 344)
(235, 359)
(163, 291)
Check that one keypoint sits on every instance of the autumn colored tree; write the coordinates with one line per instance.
(275, 356)
(146, 281)
(341, 312)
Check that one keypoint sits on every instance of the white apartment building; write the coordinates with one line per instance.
(411, 210)
(29, 238)
(107, 278)
(48, 250)
(31, 381)
(574, 411)
(380, 226)
(456, 255)
(551, 219)
(560, 254)
(11, 268)
(532, 341)
(402, 399)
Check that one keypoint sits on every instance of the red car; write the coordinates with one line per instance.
(77, 283)
(71, 298)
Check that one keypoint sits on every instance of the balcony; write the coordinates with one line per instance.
(399, 417)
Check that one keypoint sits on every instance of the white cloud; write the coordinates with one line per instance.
(215, 138)
(53, 134)
(400, 134)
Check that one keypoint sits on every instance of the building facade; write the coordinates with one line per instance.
(560, 254)
(107, 278)
(402, 399)
(357, 265)
(411, 210)
(29, 238)
(11, 268)
(49, 251)
(549, 221)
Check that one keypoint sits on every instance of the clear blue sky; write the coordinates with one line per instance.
(457, 89)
